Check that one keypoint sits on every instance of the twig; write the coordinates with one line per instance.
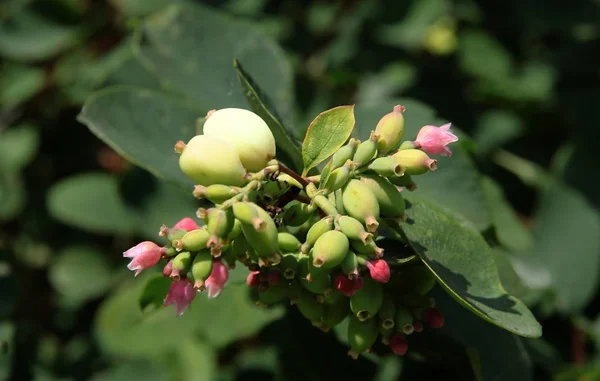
(297, 177)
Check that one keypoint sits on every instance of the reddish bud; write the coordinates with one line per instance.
(379, 270)
(217, 279)
(168, 269)
(434, 318)
(348, 286)
(433, 140)
(186, 224)
(181, 293)
(398, 345)
(145, 255)
(253, 279)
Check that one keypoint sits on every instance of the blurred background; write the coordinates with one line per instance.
(520, 78)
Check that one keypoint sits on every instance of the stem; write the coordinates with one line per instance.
(297, 177)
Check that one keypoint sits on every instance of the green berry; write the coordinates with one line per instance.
(390, 200)
(287, 242)
(353, 228)
(201, 268)
(345, 153)
(317, 230)
(330, 249)
(415, 162)
(360, 203)
(387, 167)
(366, 302)
(195, 240)
(365, 151)
(390, 129)
(361, 335)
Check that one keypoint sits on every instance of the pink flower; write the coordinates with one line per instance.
(433, 140)
(398, 345)
(181, 293)
(379, 270)
(168, 269)
(145, 255)
(217, 279)
(348, 286)
(186, 224)
(253, 279)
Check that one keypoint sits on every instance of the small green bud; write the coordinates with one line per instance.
(366, 151)
(208, 160)
(295, 213)
(315, 282)
(386, 334)
(350, 264)
(345, 153)
(404, 181)
(171, 234)
(247, 213)
(286, 180)
(220, 222)
(330, 249)
(250, 136)
(201, 268)
(404, 320)
(390, 129)
(390, 200)
(369, 248)
(216, 193)
(361, 335)
(353, 229)
(339, 202)
(360, 203)
(263, 241)
(287, 242)
(318, 229)
(336, 312)
(387, 167)
(407, 145)
(338, 178)
(289, 265)
(273, 294)
(366, 302)
(310, 308)
(181, 264)
(236, 230)
(195, 240)
(415, 162)
(387, 313)
(172, 251)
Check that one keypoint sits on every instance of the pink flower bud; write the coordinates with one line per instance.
(434, 318)
(181, 293)
(433, 140)
(186, 224)
(253, 279)
(379, 270)
(398, 345)
(217, 279)
(348, 286)
(145, 255)
(168, 269)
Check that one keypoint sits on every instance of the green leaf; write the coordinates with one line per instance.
(29, 36)
(567, 245)
(7, 334)
(10, 291)
(462, 262)
(197, 361)
(155, 291)
(490, 348)
(79, 274)
(262, 106)
(326, 134)
(190, 47)
(12, 196)
(20, 83)
(143, 126)
(18, 146)
(482, 56)
(138, 8)
(456, 184)
(91, 201)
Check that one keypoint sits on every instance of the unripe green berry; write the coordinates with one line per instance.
(353, 229)
(404, 320)
(201, 268)
(369, 248)
(264, 242)
(339, 202)
(338, 178)
(195, 240)
(207, 160)
(220, 222)
(295, 213)
(415, 162)
(273, 294)
(236, 230)
(361, 335)
(366, 151)
(318, 229)
(344, 154)
(181, 264)
(390, 129)
(310, 308)
(216, 193)
(390, 200)
(289, 265)
(387, 167)
(247, 213)
(366, 302)
(404, 181)
(246, 132)
(360, 203)
(336, 312)
(330, 249)
(287, 242)
(350, 264)
(239, 245)
(387, 313)
(386, 334)
(315, 282)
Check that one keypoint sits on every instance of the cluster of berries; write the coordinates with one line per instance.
(312, 240)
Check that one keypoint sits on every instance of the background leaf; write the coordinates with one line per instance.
(462, 261)
(326, 133)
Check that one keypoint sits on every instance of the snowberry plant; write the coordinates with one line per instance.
(319, 238)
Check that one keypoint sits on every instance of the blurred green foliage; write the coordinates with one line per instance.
(519, 79)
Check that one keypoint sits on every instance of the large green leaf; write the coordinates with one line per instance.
(191, 49)
(262, 105)
(327, 132)
(143, 126)
(20, 82)
(463, 264)
(18, 146)
(495, 354)
(456, 184)
(91, 201)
